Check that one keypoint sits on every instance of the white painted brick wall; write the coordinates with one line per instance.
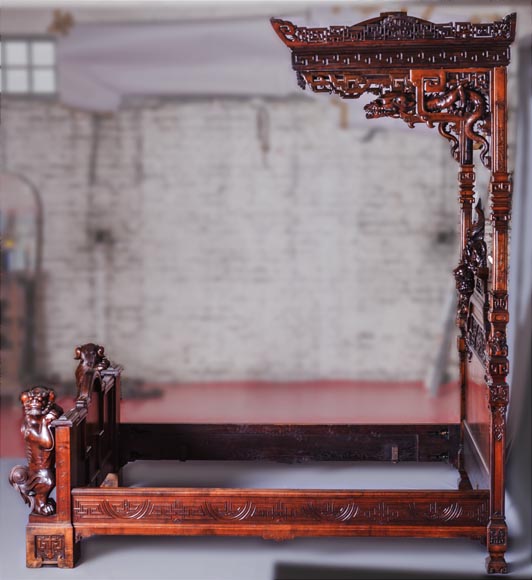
(316, 259)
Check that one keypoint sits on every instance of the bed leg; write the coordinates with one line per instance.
(51, 545)
(464, 483)
(496, 541)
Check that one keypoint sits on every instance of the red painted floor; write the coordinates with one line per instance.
(355, 402)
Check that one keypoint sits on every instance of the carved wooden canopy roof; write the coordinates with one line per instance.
(421, 71)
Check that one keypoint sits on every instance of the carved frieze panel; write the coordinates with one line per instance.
(261, 510)
(395, 26)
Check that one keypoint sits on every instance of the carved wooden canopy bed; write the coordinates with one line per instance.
(449, 75)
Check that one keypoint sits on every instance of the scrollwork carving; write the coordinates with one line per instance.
(499, 421)
(347, 86)
(475, 251)
(465, 285)
(35, 481)
(476, 338)
(459, 99)
(497, 344)
(450, 132)
(473, 262)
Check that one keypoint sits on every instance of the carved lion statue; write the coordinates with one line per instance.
(36, 480)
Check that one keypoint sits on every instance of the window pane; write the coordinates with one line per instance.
(42, 53)
(43, 81)
(16, 53)
(17, 81)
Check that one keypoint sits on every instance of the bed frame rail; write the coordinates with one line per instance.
(290, 443)
(280, 514)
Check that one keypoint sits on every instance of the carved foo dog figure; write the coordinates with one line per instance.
(36, 480)
(91, 358)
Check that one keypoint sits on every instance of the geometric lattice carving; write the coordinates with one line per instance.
(50, 548)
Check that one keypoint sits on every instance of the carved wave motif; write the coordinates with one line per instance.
(229, 511)
(332, 512)
(444, 513)
(126, 509)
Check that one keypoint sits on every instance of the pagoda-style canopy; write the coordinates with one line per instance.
(423, 72)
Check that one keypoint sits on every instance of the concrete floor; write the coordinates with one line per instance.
(211, 558)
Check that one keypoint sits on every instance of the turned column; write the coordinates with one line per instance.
(497, 349)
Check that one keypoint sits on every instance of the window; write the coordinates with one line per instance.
(28, 66)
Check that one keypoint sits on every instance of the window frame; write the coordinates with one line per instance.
(28, 39)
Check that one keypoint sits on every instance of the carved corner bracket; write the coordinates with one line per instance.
(36, 480)
(421, 72)
(457, 102)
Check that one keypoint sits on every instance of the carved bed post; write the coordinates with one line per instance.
(466, 180)
(497, 355)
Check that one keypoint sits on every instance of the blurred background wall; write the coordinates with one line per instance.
(221, 225)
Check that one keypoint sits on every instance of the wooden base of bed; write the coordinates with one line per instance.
(92, 446)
